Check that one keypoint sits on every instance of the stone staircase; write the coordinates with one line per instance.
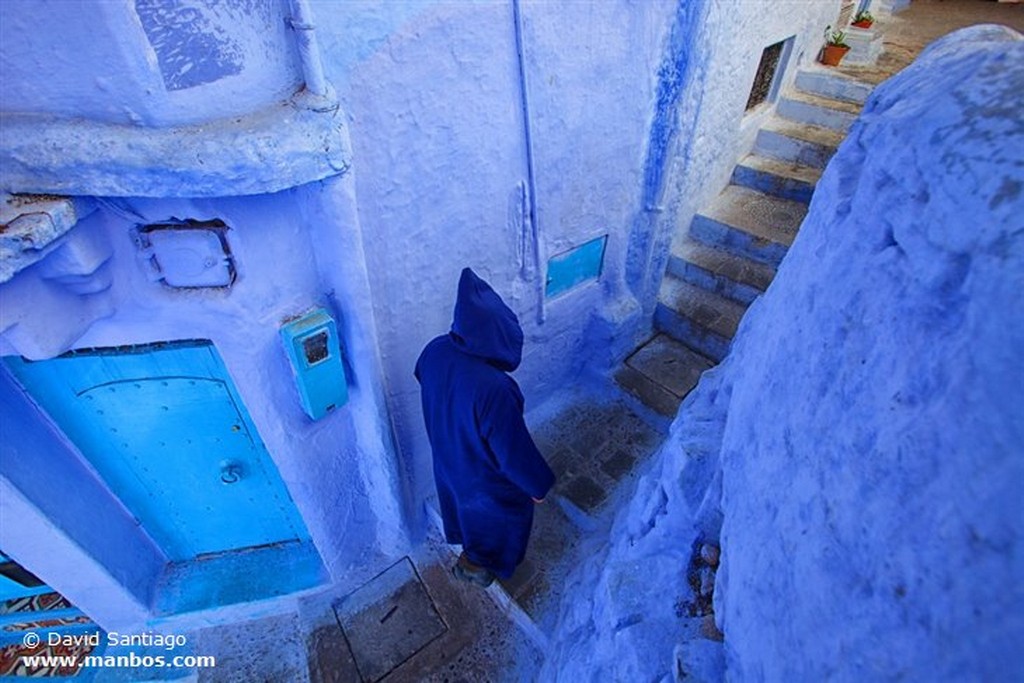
(731, 248)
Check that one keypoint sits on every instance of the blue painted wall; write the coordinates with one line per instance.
(146, 63)
(684, 56)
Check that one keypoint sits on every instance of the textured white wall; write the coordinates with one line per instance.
(440, 161)
(95, 60)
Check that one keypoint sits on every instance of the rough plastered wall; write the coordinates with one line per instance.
(145, 62)
(862, 440)
(293, 250)
(592, 83)
(435, 95)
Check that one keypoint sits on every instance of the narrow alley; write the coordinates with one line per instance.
(211, 427)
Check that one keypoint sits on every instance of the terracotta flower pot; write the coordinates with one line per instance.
(862, 24)
(833, 54)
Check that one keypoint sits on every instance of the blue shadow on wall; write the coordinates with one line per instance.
(190, 50)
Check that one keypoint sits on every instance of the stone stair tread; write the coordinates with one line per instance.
(670, 364)
(850, 75)
(804, 131)
(762, 215)
(647, 391)
(725, 263)
(844, 106)
(709, 310)
(869, 74)
(782, 168)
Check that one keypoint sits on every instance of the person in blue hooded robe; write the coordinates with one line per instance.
(488, 472)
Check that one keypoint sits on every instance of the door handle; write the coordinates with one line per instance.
(231, 472)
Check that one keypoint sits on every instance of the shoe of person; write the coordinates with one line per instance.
(464, 570)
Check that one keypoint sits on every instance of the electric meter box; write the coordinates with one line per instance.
(311, 343)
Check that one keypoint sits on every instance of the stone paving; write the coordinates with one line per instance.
(414, 621)
(593, 446)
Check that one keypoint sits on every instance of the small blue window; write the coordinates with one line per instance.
(315, 348)
(573, 267)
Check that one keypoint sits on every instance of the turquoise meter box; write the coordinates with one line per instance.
(311, 343)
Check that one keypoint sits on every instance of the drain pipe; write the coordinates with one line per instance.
(538, 269)
(301, 21)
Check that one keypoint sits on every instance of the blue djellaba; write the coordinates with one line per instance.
(487, 469)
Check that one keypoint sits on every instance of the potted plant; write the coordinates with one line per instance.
(863, 19)
(835, 47)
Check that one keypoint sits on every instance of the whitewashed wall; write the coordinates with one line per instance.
(440, 157)
(95, 60)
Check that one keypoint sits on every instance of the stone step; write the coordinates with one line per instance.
(833, 85)
(702, 320)
(661, 373)
(749, 223)
(650, 393)
(775, 177)
(800, 143)
(866, 45)
(816, 110)
(720, 271)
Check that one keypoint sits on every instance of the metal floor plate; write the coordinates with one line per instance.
(388, 620)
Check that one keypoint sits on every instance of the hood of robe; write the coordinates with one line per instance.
(484, 326)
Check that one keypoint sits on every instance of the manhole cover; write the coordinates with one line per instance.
(388, 620)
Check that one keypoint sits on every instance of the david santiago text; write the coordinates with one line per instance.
(167, 642)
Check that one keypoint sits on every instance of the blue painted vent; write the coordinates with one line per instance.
(576, 266)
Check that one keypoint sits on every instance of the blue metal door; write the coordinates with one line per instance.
(164, 426)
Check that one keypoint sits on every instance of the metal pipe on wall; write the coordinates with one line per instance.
(301, 20)
(538, 269)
